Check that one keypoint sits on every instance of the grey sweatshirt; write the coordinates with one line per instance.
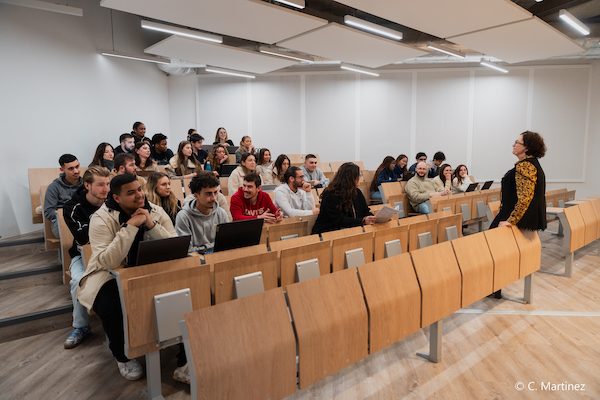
(58, 193)
(316, 175)
(203, 228)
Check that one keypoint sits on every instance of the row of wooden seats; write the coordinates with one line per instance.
(558, 198)
(246, 348)
(581, 225)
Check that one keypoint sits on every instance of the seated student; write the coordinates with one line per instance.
(419, 189)
(159, 151)
(275, 172)
(384, 173)
(221, 199)
(438, 159)
(222, 138)
(139, 133)
(215, 160)
(444, 177)
(158, 191)
(400, 169)
(201, 216)
(191, 132)
(104, 156)
(312, 174)
(342, 203)
(461, 180)
(115, 232)
(183, 164)
(125, 164)
(246, 147)
(127, 144)
(421, 157)
(61, 189)
(249, 202)
(196, 141)
(295, 198)
(263, 163)
(247, 165)
(145, 165)
(77, 212)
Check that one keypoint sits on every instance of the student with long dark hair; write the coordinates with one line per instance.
(215, 160)
(104, 156)
(384, 173)
(183, 164)
(145, 165)
(275, 173)
(342, 203)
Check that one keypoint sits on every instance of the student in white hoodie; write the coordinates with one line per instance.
(201, 216)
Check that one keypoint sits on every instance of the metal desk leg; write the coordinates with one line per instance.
(569, 258)
(528, 292)
(435, 343)
(153, 390)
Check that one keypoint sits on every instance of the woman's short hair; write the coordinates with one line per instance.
(534, 143)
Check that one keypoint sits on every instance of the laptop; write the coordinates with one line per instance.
(158, 250)
(227, 169)
(487, 185)
(236, 234)
(472, 187)
(408, 175)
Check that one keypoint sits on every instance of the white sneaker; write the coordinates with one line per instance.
(182, 374)
(131, 370)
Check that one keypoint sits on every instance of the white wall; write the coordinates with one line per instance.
(59, 95)
(472, 114)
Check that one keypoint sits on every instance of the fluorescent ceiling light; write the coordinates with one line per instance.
(574, 22)
(286, 54)
(371, 27)
(136, 57)
(361, 70)
(181, 31)
(228, 72)
(494, 66)
(293, 3)
(446, 50)
(42, 5)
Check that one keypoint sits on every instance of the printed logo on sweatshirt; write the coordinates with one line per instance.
(255, 213)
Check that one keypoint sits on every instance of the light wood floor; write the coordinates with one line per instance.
(487, 349)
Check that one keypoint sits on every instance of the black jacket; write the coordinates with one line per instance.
(77, 213)
(331, 218)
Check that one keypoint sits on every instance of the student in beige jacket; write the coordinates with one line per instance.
(115, 232)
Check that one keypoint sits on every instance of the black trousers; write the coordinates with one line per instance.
(108, 307)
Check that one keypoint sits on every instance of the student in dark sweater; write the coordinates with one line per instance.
(77, 212)
(159, 150)
(342, 204)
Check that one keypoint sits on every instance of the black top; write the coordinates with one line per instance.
(77, 213)
(201, 156)
(227, 141)
(119, 150)
(161, 158)
(535, 217)
(331, 218)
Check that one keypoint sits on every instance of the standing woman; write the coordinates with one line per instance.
(236, 179)
(523, 190)
(444, 177)
(342, 204)
(139, 132)
(145, 165)
(104, 156)
(263, 163)
(384, 173)
(246, 147)
(400, 169)
(158, 191)
(222, 138)
(215, 160)
(277, 170)
(461, 180)
(183, 164)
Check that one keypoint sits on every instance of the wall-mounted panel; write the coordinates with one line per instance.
(385, 112)
(560, 98)
(442, 114)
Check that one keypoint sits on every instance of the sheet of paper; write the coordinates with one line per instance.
(385, 214)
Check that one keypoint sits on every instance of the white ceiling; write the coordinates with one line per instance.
(247, 19)
(532, 39)
(443, 18)
(346, 44)
(218, 55)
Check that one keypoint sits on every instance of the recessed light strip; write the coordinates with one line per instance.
(224, 71)
(136, 57)
(493, 66)
(371, 27)
(574, 22)
(293, 56)
(293, 3)
(357, 69)
(42, 5)
(445, 50)
(181, 31)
